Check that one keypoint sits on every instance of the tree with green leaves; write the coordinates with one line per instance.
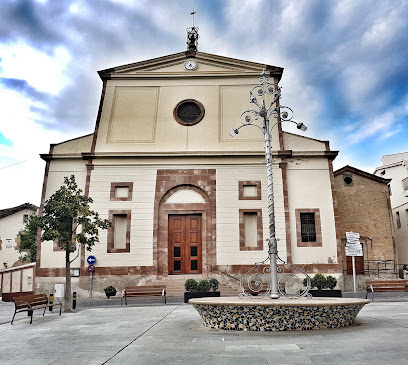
(68, 219)
(28, 240)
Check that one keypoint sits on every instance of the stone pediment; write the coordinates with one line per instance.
(173, 65)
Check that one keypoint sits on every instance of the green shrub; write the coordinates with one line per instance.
(319, 281)
(203, 286)
(331, 282)
(109, 289)
(213, 284)
(191, 285)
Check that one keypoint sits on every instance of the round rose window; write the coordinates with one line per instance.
(188, 112)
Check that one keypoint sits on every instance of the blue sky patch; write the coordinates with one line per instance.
(5, 141)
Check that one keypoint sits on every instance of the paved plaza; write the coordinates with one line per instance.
(172, 334)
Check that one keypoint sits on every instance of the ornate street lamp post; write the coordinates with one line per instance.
(282, 114)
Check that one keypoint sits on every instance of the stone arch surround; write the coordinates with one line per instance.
(201, 181)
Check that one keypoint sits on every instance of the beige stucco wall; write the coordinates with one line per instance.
(77, 145)
(58, 170)
(138, 116)
(228, 206)
(309, 188)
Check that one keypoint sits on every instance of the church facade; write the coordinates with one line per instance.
(184, 197)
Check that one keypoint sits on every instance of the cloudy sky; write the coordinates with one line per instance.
(346, 68)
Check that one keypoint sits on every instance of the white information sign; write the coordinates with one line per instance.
(354, 249)
(353, 237)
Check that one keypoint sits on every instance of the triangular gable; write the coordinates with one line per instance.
(365, 174)
(174, 64)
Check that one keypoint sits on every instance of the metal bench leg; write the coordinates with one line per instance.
(13, 317)
(44, 311)
(30, 313)
(125, 300)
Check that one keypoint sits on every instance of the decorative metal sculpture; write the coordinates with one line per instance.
(256, 282)
(282, 114)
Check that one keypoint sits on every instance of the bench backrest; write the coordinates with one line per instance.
(32, 300)
(388, 284)
(146, 289)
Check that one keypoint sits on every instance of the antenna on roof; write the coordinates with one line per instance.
(192, 34)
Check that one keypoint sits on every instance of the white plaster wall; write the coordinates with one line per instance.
(401, 234)
(58, 170)
(396, 168)
(228, 206)
(308, 188)
(10, 226)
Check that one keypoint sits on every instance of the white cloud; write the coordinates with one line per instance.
(42, 71)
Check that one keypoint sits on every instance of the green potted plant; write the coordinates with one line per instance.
(322, 283)
(203, 288)
(110, 291)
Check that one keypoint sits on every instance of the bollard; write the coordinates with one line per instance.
(51, 300)
(74, 299)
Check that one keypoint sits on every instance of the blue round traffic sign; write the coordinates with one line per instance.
(91, 260)
(91, 268)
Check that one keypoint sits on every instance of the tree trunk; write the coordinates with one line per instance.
(67, 294)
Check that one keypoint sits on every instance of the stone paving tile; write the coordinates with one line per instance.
(174, 335)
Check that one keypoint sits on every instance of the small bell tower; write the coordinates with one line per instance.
(192, 34)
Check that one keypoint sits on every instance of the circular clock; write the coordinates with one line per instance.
(190, 65)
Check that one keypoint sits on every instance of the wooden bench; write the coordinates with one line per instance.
(147, 290)
(385, 286)
(30, 303)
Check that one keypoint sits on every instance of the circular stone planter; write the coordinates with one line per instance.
(283, 314)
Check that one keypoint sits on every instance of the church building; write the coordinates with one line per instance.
(184, 197)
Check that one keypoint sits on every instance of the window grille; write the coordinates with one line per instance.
(308, 227)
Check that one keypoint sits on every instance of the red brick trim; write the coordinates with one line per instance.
(336, 213)
(281, 144)
(99, 271)
(259, 227)
(283, 166)
(241, 185)
(318, 242)
(111, 230)
(309, 268)
(89, 168)
(113, 187)
(98, 118)
(202, 181)
(41, 210)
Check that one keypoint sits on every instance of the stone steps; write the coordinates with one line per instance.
(175, 285)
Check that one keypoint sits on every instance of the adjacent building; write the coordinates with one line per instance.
(183, 196)
(395, 167)
(364, 207)
(12, 221)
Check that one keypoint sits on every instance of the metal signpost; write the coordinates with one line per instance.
(353, 249)
(91, 268)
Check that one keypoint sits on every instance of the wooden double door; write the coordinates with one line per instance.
(185, 244)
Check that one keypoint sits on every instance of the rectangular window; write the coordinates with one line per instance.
(25, 218)
(308, 228)
(121, 191)
(250, 229)
(119, 233)
(249, 190)
(398, 219)
(405, 184)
